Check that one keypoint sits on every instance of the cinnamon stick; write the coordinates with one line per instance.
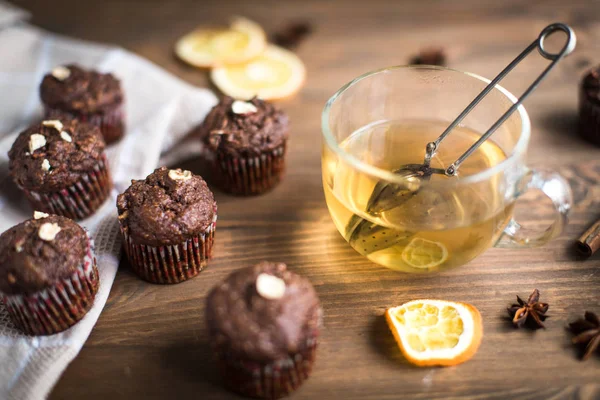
(589, 242)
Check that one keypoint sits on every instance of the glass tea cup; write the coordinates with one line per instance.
(382, 121)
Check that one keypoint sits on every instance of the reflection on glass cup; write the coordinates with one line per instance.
(382, 121)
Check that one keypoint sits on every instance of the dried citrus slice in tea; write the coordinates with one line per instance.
(436, 332)
(275, 74)
(207, 48)
(423, 253)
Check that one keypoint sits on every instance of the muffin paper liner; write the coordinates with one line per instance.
(79, 200)
(60, 306)
(250, 175)
(589, 119)
(266, 380)
(110, 122)
(171, 263)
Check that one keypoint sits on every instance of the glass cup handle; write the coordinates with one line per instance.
(558, 190)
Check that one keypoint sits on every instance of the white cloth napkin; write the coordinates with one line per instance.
(160, 110)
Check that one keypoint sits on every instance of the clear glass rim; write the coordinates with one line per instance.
(511, 159)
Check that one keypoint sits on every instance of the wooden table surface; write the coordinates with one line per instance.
(150, 341)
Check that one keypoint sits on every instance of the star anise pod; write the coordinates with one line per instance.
(429, 56)
(533, 312)
(291, 36)
(587, 330)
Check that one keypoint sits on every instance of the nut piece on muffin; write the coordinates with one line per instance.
(589, 106)
(247, 142)
(61, 167)
(263, 326)
(48, 274)
(168, 222)
(90, 96)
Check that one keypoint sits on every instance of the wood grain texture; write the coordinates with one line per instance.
(150, 341)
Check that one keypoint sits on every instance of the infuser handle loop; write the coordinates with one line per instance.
(539, 44)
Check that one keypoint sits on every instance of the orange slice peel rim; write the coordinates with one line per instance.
(197, 47)
(468, 342)
(275, 62)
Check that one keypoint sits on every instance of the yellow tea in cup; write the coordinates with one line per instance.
(441, 224)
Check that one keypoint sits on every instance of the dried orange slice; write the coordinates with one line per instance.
(436, 332)
(207, 48)
(424, 254)
(275, 74)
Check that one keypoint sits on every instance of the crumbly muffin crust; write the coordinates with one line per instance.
(247, 133)
(590, 85)
(29, 263)
(263, 329)
(166, 208)
(82, 91)
(45, 158)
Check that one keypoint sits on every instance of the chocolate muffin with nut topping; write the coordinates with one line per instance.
(247, 143)
(91, 96)
(61, 167)
(168, 221)
(48, 274)
(589, 106)
(263, 324)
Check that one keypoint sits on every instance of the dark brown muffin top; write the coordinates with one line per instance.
(74, 89)
(264, 312)
(168, 207)
(38, 252)
(245, 128)
(54, 154)
(590, 85)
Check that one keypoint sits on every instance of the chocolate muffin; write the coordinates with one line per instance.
(589, 106)
(168, 222)
(90, 96)
(263, 326)
(247, 144)
(61, 167)
(48, 274)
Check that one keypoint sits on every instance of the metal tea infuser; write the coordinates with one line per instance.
(424, 171)
(386, 196)
(431, 148)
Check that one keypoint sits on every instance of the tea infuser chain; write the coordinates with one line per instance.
(539, 44)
